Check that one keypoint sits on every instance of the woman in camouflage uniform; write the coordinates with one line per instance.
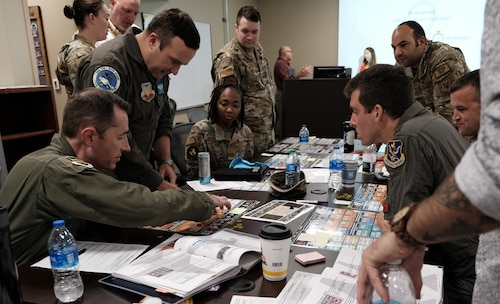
(223, 134)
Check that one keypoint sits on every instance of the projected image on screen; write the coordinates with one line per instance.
(458, 23)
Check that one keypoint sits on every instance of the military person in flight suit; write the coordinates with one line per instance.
(422, 150)
(136, 67)
(243, 62)
(432, 66)
(65, 180)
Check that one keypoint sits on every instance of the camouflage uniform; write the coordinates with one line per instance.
(68, 59)
(440, 65)
(250, 69)
(210, 137)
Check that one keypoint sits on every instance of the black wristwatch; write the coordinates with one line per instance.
(398, 225)
(167, 161)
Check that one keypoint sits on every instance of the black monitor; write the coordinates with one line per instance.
(331, 72)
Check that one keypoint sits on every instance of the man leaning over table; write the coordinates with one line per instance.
(65, 181)
(422, 149)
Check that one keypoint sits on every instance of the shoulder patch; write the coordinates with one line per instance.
(192, 152)
(226, 72)
(106, 78)
(442, 71)
(394, 156)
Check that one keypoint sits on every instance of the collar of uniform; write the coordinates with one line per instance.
(220, 134)
(249, 53)
(132, 47)
(113, 29)
(81, 38)
(62, 144)
(412, 111)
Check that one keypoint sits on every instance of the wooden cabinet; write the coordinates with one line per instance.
(28, 119)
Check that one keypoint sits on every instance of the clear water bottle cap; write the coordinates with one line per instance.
(58, 223)
(395, 262)
(303, 125)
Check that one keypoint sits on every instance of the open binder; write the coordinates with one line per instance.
(183, 266)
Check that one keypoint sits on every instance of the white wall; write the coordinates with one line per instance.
(16, 47)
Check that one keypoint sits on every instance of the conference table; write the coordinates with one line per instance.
(37, 283)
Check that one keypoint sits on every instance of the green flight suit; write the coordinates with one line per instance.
(52, 183)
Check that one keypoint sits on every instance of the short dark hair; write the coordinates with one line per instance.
(471, 79)
(213, 115)
(82, 8)
(418, 30)
(174, 23)
(383, 84)
(94, 107)
(250, 12)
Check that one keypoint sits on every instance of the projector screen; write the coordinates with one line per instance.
(368, 23)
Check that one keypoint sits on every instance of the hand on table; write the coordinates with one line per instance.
(220, 201)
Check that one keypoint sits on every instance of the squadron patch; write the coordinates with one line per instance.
(106, 78)
(192, 153)
(147, 92)
(394, 156)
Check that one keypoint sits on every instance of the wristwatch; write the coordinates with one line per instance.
(398, 225)
(167, 161)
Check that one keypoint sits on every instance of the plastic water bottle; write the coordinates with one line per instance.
(369, 158)
(349, 136)
(304, 139)
(397, 280)
(63, 253)
(292, 173)
(336, 164)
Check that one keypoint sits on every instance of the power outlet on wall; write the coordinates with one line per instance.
(55, 84)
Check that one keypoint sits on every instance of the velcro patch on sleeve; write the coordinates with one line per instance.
(394, 157)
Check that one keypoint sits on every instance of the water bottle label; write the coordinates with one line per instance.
(292, 167)
(304, 139)
(65, 258)
(336, 164)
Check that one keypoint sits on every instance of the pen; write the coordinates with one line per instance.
(82, 251)
(313, 202)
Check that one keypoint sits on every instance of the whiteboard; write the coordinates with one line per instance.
(193, 84)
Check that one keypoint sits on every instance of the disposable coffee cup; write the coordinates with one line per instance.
(349, 171)
(275, 242)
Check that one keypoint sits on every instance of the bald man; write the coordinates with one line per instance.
(282, 71)
(431, 65)
(122, 15)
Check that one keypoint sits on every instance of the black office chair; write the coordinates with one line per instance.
(9, 285)
(197, 114)
(180, 133)
(173, 106)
